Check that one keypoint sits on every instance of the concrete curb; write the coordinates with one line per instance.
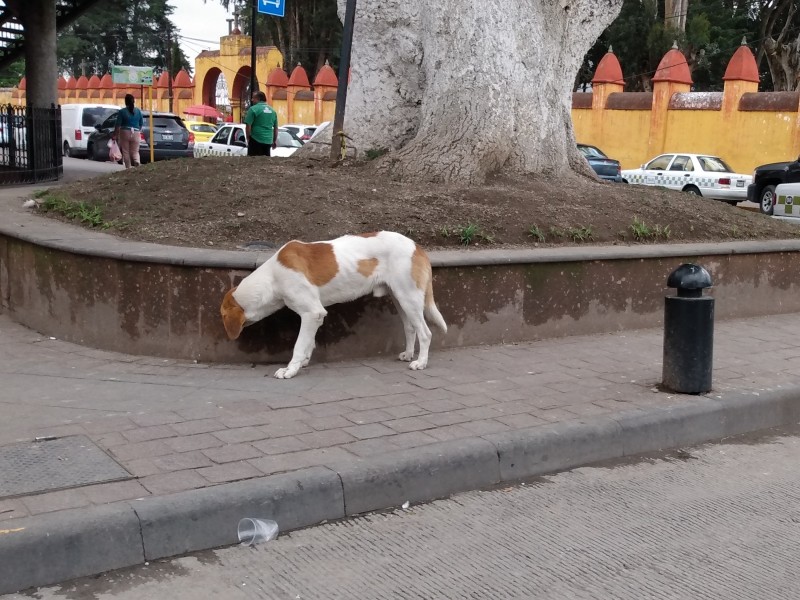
(37, 551)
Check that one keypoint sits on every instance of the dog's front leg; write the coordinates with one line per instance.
(304, 346)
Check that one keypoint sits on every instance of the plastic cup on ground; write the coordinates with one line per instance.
(255, 531)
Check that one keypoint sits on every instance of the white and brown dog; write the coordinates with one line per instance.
(307, 277)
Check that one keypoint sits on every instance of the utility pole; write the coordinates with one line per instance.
(169, 65)
(344, 72)
(253, 84)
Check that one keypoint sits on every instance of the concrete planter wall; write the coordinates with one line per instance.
(99, 291)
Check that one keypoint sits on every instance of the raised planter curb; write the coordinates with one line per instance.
(38, 551)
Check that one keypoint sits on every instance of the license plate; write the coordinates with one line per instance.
(167, 137)
(740, 183)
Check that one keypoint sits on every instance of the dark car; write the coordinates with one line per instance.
(766, 178)
(606, 168)
(171, 138)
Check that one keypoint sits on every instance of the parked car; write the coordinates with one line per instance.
(605, 168)
(699, 174)
(766, 178)
(787, 200)
(303, 132)
(231, 140)
(171, 138)
(77, 124)
(203, 132)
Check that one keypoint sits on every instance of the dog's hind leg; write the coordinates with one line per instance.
(408, 328)
(310, 322)
(412, 304)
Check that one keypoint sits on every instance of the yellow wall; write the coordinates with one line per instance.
(744, 139)
(304, 111)
(610, 130)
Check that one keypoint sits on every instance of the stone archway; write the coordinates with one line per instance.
(240, 92)
(209, 87)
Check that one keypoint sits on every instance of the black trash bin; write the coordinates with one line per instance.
(688, 332)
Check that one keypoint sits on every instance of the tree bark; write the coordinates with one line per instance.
(458, 89)
(783, 56)
(41, 72)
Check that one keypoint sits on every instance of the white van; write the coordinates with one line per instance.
(78, 121)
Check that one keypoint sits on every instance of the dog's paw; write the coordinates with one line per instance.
(418, 365)
(285, 373)
(406, 356)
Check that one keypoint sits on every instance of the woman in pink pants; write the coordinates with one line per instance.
(128, 131)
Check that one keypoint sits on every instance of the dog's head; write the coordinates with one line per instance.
(232, 315)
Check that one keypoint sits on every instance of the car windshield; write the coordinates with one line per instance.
(286, 140)
(96, 114)
(591, 151)
(203, 128)
(714, 164)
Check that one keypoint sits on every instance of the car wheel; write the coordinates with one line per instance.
(690, 189)
(766, 203)
(66, 148)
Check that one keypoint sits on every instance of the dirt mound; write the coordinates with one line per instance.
(231, 202)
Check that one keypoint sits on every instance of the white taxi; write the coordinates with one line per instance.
(787, 200)
(231, 140)
(699, 174)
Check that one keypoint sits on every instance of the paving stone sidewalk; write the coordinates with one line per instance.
(177, 425)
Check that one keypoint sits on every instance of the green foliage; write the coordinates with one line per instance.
(580, 234)
(309, 34)
(87, 214)
(466, 235)
(640, 37)
(643, 233)
(536, 233)
(127, 32)
(374, 153)
(556, 232)
(11, 75)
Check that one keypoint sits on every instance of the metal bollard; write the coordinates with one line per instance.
(688, 332)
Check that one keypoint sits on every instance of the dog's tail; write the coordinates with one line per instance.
(431, 312)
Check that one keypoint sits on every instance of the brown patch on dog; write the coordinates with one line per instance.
(367, 266)
(316, 260)
(420, 268)
(368, 235)
(232, 315)
(422, 274)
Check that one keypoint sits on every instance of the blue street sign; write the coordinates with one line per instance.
(274, 8)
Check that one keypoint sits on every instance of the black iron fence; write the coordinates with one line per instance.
(30, 144)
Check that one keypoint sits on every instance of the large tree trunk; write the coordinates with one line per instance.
(459, 89)
(41, 70)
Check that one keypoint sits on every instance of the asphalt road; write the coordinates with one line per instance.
(78, 168)
(717, 521)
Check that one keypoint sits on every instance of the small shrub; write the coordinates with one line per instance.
(536, 233)
(580, 234)
(556, 232)
(640, 230)
(466, 235)
(374, 153)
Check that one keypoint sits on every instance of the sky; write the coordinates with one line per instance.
(200, 25)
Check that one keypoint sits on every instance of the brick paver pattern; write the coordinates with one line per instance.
(178, 425)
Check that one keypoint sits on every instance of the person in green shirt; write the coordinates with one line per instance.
(261, 123)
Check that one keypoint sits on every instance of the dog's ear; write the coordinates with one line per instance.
(232, 315)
